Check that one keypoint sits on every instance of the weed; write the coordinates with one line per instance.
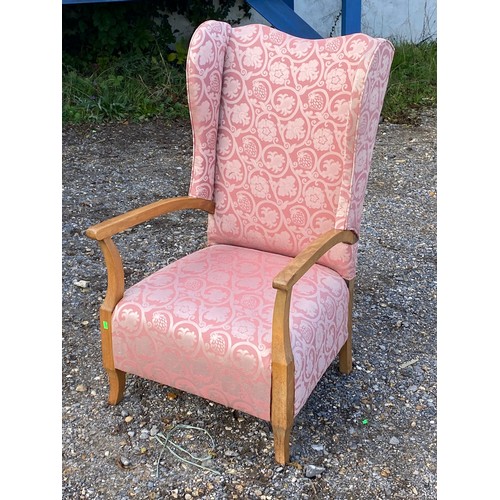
(413, 81)
(129, 89)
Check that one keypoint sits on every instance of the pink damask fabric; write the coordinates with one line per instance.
(204, 325)
(204, 74)
(291, 149)
(283, 133)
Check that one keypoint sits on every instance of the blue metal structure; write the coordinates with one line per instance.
(351, 16)
(281, 15)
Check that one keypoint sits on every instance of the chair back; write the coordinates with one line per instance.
(283, 134)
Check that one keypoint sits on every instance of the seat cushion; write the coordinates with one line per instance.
(203, 324)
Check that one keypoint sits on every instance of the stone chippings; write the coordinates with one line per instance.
(368, 435)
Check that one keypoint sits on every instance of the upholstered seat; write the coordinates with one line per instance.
(283, 133)
(204, 325)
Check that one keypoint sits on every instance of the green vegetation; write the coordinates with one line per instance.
(116, 61)
(117, 65)
(131, 88)
(413, 81)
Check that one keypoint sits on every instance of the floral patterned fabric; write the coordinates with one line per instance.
(204, 73)
(204, 325)
(283, 132)
(296, 128)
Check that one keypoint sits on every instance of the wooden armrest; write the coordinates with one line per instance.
(288, 276)
(103, 232)
(129, 219)
(282, 359)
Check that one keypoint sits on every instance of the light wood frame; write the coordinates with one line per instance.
(283, 370)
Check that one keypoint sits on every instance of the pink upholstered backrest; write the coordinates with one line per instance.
(283, 133)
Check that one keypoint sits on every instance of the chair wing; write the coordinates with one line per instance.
(204, 74)
(295, 133)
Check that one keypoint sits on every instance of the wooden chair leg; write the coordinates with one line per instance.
(283, 379)
(116, 385)
(345, 354)
(282, 410)
(281, 434)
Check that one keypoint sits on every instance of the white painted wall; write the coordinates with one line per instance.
(408, 20)
(397, 20)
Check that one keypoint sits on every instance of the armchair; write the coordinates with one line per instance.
(283, 133)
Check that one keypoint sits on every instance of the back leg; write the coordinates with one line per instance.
(345, 354)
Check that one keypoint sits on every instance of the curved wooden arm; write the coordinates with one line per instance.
(116, 283)
(105, 230)
(288, 276)
(283, 365)
(129, 219)
(114, 293)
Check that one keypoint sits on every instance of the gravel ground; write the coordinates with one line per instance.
(368, 435)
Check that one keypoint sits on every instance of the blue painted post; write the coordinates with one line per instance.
(351, 16)
(283, 17)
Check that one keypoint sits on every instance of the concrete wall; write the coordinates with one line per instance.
(408, 20)
(397, 20)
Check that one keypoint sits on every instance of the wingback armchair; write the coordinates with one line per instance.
(283, 132)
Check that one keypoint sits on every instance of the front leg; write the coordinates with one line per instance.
(283, 378)
(116, 385)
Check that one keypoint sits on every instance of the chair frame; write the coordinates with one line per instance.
(283, 368)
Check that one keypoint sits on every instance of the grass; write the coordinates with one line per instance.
(137, 89)
(412, 83)
(131, 88)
